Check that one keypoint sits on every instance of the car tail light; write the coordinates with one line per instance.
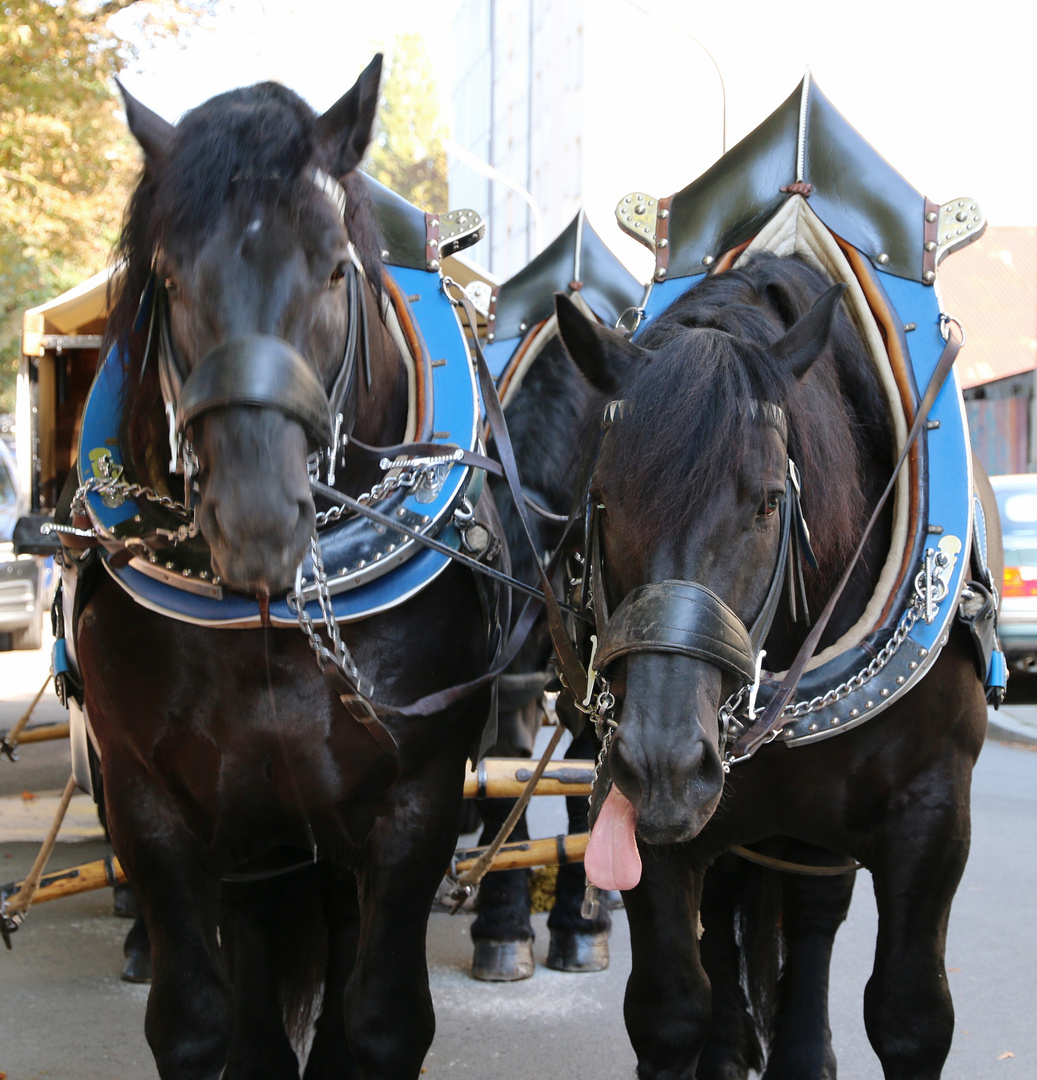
(1020, 581)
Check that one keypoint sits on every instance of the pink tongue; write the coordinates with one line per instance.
(612, 860)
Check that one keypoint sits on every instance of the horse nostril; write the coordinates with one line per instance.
(624, 771)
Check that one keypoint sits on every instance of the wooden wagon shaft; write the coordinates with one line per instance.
(43, 733)
(522, 854)
(76, 879)
(107, 872)
(504, 778)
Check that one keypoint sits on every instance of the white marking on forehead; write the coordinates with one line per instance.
(255, 226)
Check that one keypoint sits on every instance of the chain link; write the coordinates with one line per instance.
(844, 689)
(338, 654)
(113, 487)
(413, 473)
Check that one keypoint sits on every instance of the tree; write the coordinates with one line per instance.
(407, 153)
(66, 162)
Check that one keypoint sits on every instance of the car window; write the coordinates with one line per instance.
(8, 491)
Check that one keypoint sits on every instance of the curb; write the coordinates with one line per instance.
(1008, 731)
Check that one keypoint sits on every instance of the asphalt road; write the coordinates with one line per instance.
(66, 1015)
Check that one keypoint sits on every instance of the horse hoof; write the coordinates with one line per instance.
(573, 951)
(137, 968)
(502, 961)
(124, 902)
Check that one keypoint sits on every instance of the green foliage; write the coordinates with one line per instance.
(66, 162)
(407, 153)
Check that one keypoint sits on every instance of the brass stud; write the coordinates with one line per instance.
(931, 216)
(884, 692)
(708, 260)
(882, 259)
(929, 277)
(854, 713)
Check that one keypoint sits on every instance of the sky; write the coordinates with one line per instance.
(945, 91)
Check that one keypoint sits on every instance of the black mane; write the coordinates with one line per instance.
(685, 421)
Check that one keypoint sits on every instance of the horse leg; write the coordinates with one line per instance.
(502, 934)
(733, 1046)
(388, 1007)
(908, 1011)
(577, 944)
(330, 1056)
(667, 1002)
(813, 909)
(137, 952)
(187, 1022)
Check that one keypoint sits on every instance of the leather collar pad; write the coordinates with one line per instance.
(678, 617)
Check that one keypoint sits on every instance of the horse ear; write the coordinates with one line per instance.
(346, 127)
(149, 129)
(807, 338)
(604, 356)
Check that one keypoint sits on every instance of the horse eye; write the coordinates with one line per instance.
(338, 274)
(770, 504)
(171, 287)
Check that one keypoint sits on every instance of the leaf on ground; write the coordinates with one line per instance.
(28, 796)
(1006, 1054)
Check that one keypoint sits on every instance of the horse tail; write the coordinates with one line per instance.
(759, 921)
(275, 939)
(742, 951)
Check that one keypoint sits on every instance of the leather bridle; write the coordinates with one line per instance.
(685, 617)
(262, 369)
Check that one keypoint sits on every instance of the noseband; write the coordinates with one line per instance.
(686, 618)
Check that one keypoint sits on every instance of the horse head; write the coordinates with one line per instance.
(243, 219)
(687, 490)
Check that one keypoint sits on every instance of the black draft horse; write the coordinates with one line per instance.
(545, 421)
(688, 483)
(225, 753)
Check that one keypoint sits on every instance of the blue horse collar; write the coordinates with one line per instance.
(367, 572)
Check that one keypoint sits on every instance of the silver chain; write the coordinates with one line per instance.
(114, 488)
(338, 654)
(414, 472)
(881, 659)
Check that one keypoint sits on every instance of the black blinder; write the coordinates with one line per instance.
(678, 617)
(261, 370)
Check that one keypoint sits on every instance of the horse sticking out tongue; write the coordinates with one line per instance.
(612, 860)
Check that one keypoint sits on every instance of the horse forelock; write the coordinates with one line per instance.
(685, 425)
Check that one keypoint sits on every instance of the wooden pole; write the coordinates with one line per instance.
(76, 879)
(552, 851)
(43, 733)
(505, 778)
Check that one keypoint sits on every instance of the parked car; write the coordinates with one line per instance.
(24, 579)
(1017, 503)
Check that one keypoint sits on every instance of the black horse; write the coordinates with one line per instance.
(545, 401)
(688, 486)
(227, 757)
